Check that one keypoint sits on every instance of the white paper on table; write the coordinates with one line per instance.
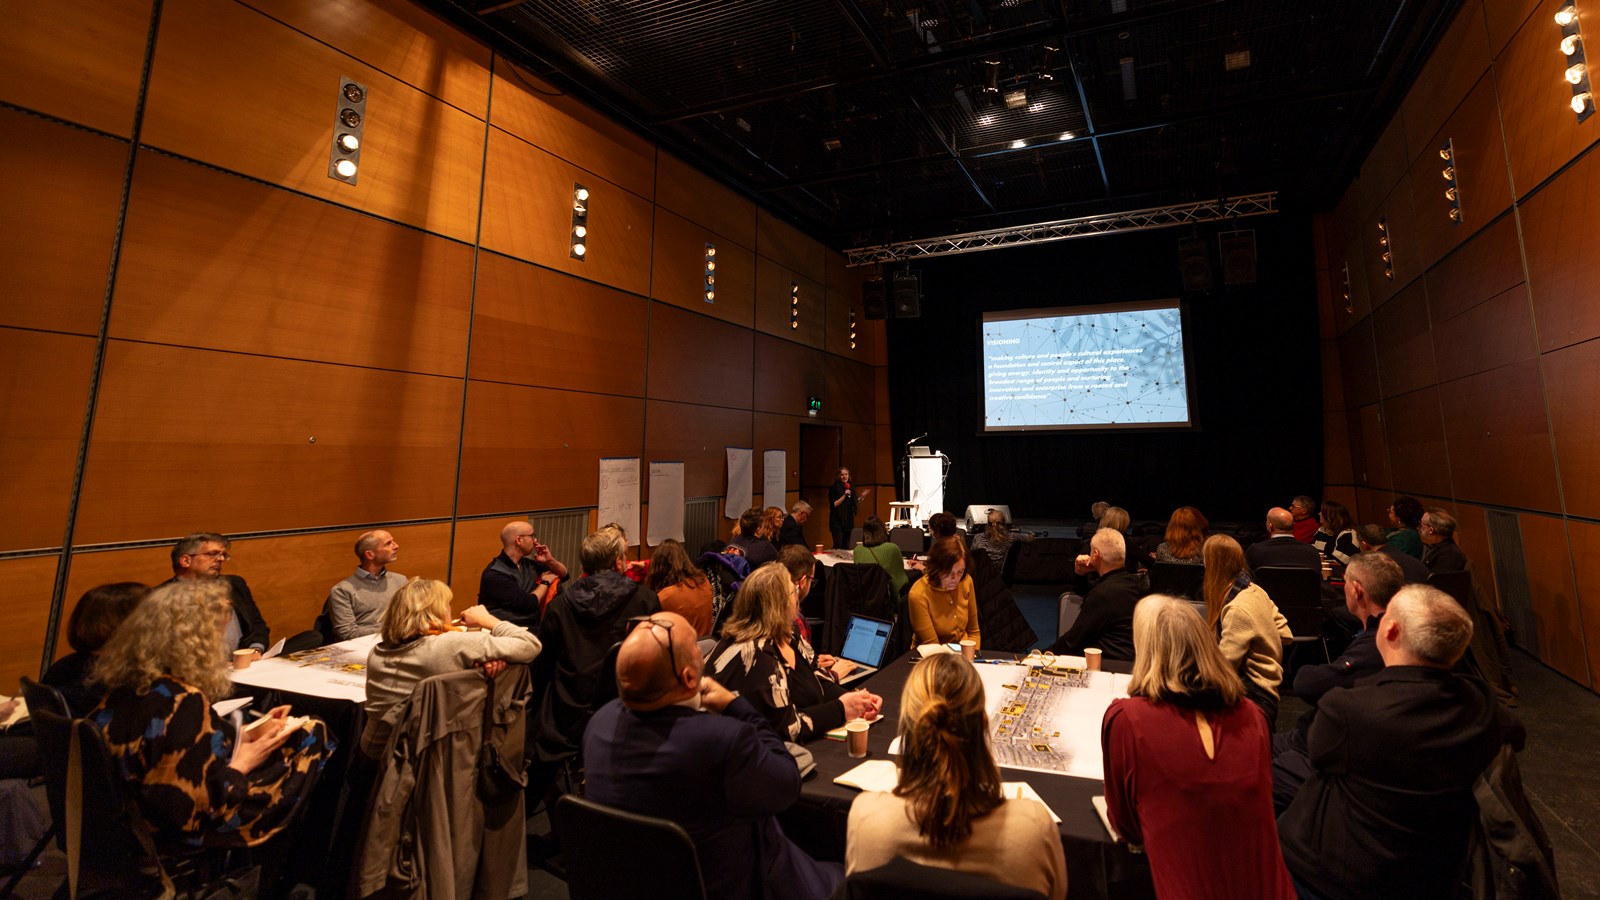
(774, 478)
(318, 674)
(927, 650)
(739, 496)
(275, 649)
(619, 493)
(228, 707)
(872, 775)
(666, 502)
(1021, 790)
(1077, 715)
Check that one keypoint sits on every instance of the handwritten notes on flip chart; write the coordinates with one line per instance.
(773, 480)
(739, 472)
(619, 493)
(666, 502)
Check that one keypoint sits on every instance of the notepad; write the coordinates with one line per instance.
(1099, 802)
(225, 708)
(19, 713)
(1021, 790)
(290, 723)
(872, 775)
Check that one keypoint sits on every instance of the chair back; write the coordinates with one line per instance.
(909, 539)
(52, 731)
(1068, 606)
(1297, 592)
(1458, 585)
(902, 879)
(107, 841)
(1045, 561)
(662, 862)
(1178, 580)
(864, 590)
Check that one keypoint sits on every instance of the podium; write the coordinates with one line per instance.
(927, 486)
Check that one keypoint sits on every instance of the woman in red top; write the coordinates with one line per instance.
(1189, 765)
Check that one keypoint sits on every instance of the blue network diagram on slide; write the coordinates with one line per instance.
(1110, 368)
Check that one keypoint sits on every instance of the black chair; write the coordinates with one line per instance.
(1297, 593)
(1046, 561)
(909, 539)
(662, 863)
(862, 590)
(902, 879)
(321, 634)
(46, 698)
(1178, 580)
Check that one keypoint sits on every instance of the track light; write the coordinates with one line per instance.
(1566, 15)
(711, 273)
(344, 151)
(1383, 241)
(1569, 44)
(794, 304)
(852, 329)
(1576, 70)
(580, 219)
(1580, 103)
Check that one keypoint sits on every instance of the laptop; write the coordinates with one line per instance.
(865, 642)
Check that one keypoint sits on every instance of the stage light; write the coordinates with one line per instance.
(344, 145)
(1067, 135)
(580, 218)
(1444, 152)
(1383, 241)
(1452, 190)
(345, 168)
(852, 329)
(1018, 144)
(711, 273)
(348, 142)
(1569, 44)
(1016, 98)
(1580, 103)
(1575, 73)
(1566, 15)
(1576, 69)
(794, 304)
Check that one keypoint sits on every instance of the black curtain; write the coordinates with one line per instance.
(1254, 363)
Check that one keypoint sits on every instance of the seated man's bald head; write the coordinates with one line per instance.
(1280, 520)
(658, 666)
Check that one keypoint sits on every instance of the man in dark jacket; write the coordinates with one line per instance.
(1106, 621)
(201, 555)
(516, 584)
(793, 530)
(1440, 553)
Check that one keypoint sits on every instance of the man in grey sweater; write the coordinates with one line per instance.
(356, 604)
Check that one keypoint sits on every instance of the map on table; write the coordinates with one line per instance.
(1048, 719)
(333, 657)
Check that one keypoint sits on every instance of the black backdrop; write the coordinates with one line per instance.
(1253, 354)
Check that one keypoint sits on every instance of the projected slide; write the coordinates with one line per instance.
(1099, 367)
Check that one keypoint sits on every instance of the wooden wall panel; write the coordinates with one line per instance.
(25, 586)
(1405, 244)
(1385, 165)
(1332, 377)
(1572, 387)
(1499, 438)
(1472, 533)
(1358, 364)
(1585, 538)
(1371, 505)
(789, 247)
(1417, 457)
(1372, 465)
(44, 388)
(786, 374)
(1405, 348)
(535, 448)
(538, 327)
(1478, 157)
(699, 436)
(55, 244)
(1337, 465)
(779, 432)
(193, 439)
(1349, 242)
(696, 359)
(563, 127)
(859, 446)
(420, 157)
(705, 201)
(275, 273)
(1457, 62)
(885, 458)
(836, 328)
(1490, 335)
(527, 213)
(1555, 595)
(1490, 264)
(1542, 132)
(1563, 255)
(677, 270)
(399, 38)
(77, 61)
(773, 301)
(1503, 18)
(850, 393)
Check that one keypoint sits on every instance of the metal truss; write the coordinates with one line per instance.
(1065, 229)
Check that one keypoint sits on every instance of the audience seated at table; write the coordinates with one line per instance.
(516, 584)
(757, 550)
(1004, 625)
(677, 745)
(759, 657)
(1405, 516)
(1106, 619)
(792, 531)
(355, 605)
(1336, 537)
(200, 557)
(1303, 510)
(1281, 548)
(771, 524)
(1186, 531)
(1252, 631)
(1388, 810)
(680, 585)
(948, 810)
(876, 549)
(418, 642)
(996, 538)
(198, 783)
(943, 604)
(1376, 537)
(1187, 765)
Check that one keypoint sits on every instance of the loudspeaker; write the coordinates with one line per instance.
(1238, 257)
(907, 296)
(872, 298)
(1194, 264)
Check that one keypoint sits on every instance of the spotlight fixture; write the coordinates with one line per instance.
(1016, 98)
(580, 222)
(1383, 241)
(1067, 135)
(711, 273)
(1349, 301)
(1452, 191)
(794, 304)
(350, 113)
(852, 329)
(1018, 144)
(1576, 68)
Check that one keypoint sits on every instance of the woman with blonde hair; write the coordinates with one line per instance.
(760, 657)
(996, 538)
(1189, 767)
(199, 783)
(1186, 531)
(1251, 629)
(419, 640)
(948, 810)
(1116, 518)
(771, 524)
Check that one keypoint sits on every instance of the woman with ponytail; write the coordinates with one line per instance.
(948, 810)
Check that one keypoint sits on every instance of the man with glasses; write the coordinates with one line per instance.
(677, 745)
(515, 586)
(200, 556)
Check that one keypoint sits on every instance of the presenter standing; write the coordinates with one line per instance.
(842, 509)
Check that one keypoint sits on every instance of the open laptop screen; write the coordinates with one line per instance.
(866, 640)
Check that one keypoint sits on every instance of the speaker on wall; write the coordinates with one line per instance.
(1194, 264)
(907, 296)
(1238, 257)
(873, 298)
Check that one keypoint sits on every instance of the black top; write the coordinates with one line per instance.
(843, 516)
(1282, 550)
(253, 630)
(70, 676)
(1415, 571)
(506, 589)
(791, 533)
(1445, 556)
(1107, 618)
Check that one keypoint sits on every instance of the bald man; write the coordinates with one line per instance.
(516, 584)
(356, 604)
(677, 745)
(1281, 548)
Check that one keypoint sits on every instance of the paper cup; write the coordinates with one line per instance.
(819, 548)
(243, 658)
(969, 649)
(855, 733)
(1091, 658)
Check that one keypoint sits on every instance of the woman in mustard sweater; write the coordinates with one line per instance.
(943, 604)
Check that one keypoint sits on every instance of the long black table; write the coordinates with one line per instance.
(1096, 867)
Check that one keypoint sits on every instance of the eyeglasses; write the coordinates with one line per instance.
(213, 554)
(664, 624)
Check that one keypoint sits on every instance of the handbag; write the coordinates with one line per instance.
(496, 779)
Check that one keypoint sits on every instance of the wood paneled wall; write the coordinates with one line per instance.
(1472, 378)
(293, 359)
